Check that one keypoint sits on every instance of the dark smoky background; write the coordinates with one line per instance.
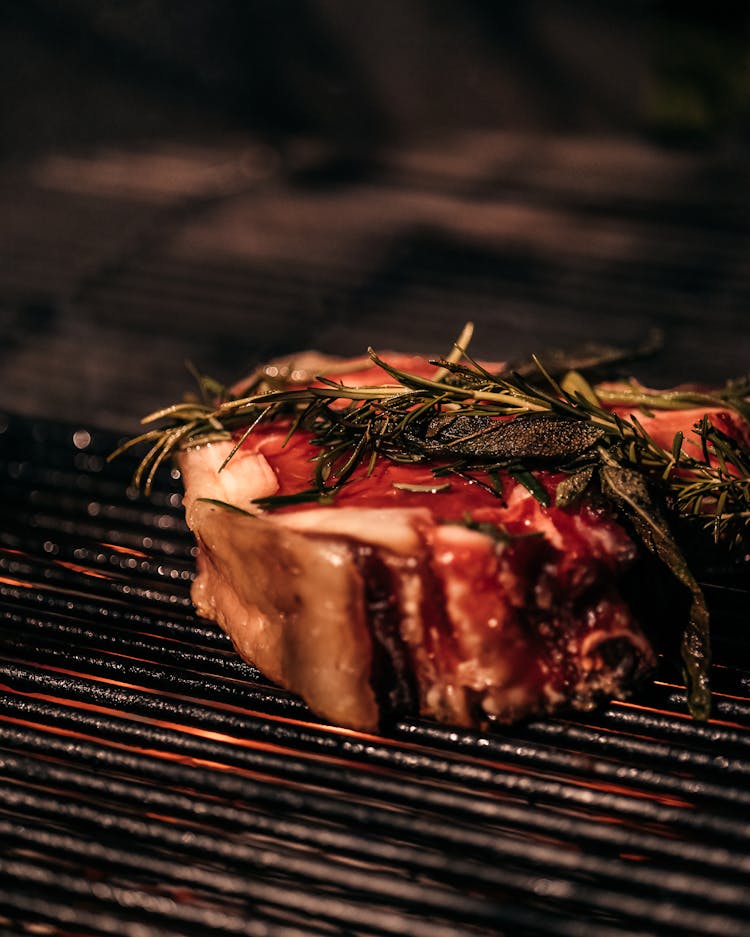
(223, 182)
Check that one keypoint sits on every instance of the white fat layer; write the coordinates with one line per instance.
(245, 477)
(248, 476)
(395, 529)
(293, 605)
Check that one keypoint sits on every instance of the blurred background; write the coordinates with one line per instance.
(226, 181)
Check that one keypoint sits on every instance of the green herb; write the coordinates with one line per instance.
(571, 489)
(497, 532)
(452, 418)
(225, 505)
(422, 489)
(630, 491)
(527, 479)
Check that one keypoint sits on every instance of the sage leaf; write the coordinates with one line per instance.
(539, 437)
(628, 489)
(571, 489)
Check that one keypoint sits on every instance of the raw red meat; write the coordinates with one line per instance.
(453, 603)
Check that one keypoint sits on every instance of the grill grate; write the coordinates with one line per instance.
(151, 783)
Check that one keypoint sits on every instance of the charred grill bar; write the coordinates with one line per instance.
(152, 784)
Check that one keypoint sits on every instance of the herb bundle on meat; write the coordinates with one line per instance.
(465, 422)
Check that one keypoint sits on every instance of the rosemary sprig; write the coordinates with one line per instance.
(706, 477)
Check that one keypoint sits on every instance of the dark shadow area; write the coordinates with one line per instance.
(105, 74)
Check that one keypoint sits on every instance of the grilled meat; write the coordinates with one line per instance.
(409, 595)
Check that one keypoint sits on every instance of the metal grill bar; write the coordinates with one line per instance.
(210, 848)
(549, 828)
(366, 883)
(536, 762)
(110, 909)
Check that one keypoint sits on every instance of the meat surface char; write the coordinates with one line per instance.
(388, 601)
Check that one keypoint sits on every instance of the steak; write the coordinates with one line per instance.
(468, 600)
